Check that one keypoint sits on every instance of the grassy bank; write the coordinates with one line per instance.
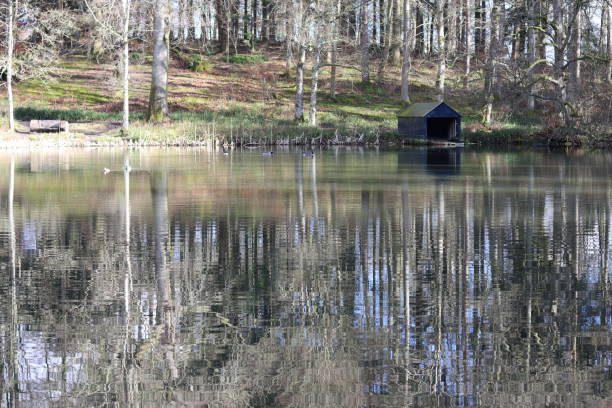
(247, 100)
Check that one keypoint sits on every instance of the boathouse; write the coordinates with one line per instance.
(430, 121)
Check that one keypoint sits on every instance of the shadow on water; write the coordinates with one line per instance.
(438, 161)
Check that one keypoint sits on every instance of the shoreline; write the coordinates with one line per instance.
(326, 138)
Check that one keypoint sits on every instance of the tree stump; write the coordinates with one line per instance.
(48, 126)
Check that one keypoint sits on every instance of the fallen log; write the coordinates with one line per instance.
(48, 126)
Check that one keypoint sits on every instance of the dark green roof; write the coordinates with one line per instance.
(419, 109)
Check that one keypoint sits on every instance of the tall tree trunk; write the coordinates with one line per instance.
(542, 11)
(125, 38)
(365, 42)
(431, 34)
(352, 22)
(396, 32)
(385, 17)
(254, 26)
(245, 20)
(299, 93)
(609, 45)
(560, 48)
(480, 27)
(158, 98)
(334, 50)
(487, 26)
(574, 59)
(531, 49)
(490, 67)
(441, 77)
(469, 39)
(10, 40)
(223, 26)
(312, 118)
(374, 23)
(452, 27)
(407, 12)
(266, 12)
(419, 31)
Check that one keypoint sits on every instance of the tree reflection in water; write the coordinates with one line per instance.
(356, 279)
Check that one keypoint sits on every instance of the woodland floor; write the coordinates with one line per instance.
(243, 101)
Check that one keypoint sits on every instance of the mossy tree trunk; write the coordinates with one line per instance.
(158, 98)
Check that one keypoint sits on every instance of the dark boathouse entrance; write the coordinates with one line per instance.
(430, 121)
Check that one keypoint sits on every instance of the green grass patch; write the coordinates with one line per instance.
(73, 115)
(60, 89)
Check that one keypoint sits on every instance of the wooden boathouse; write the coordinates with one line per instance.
(430, 121)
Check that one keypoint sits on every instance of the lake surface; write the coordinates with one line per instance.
(418, 278)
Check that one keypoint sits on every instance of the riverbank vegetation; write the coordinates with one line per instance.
(324, 71)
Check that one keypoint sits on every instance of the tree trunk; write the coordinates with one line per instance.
(266, 12)
(126, 5)
(315, 85)
(490, 68)
(334, 50)
(396, 30)
(441, 77)
(531, 49)
(365, 43)
(407, 51)
(469, 40)
(299, 93)
(574, 60)
(609, 70)
(374, 23)
(488, 27)
(9, 64)
(452, 27)
(288, 43)
(419, 31)
(245, 21)
(431, 34)
(542, 10)
(385, 16)
(158, 98)
(223, 26)
(559, 46)
(254, 26)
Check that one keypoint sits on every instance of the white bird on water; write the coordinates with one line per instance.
(127, 168)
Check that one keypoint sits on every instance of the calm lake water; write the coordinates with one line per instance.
(416, 278)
